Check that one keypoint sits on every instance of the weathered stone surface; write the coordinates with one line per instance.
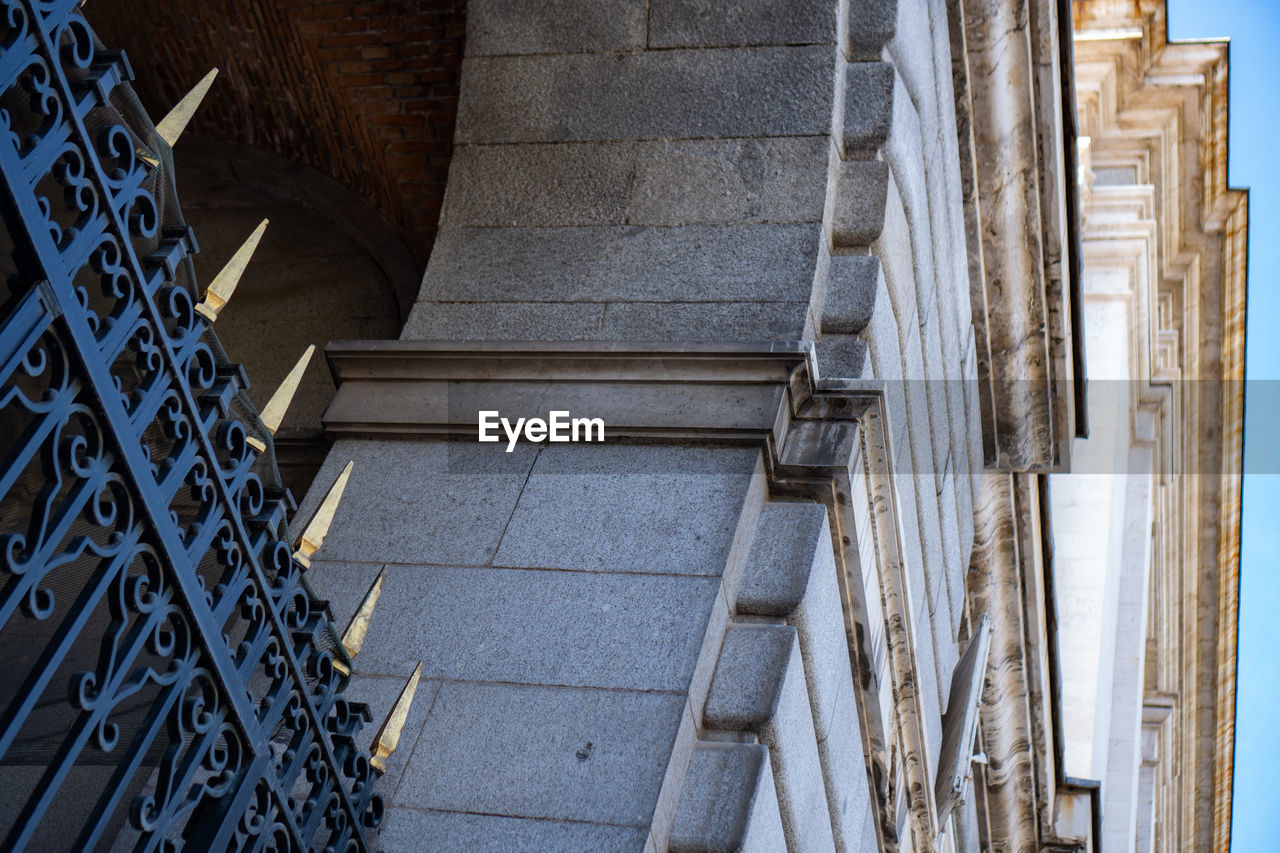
(791, 571)
(872, 24)
(703, 321)
(782, 552)
(543, 752)
(768, 91)
(718, 23)
(408, 830)
(554, 26)
(759, 686)
(524, 626)
(542, 184)
(443, 502)
(621, 508)
(728, 803)
(843, 357)
(503, 321)
(854, 283)
(868, 106)
(737, 180)
(747, 687)
(863, 189)
(698, 263)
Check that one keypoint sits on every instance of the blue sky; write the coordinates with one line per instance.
(1254, 29)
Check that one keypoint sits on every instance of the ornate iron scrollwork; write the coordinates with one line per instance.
(168, 679)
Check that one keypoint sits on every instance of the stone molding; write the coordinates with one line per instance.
(828, 440)
(1156, 115)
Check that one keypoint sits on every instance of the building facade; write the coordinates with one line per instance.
(833, 277)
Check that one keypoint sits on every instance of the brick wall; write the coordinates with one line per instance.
(364, 92)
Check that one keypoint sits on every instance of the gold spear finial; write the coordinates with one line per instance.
(273, 413)
(172, 125)
(313, 535)
(389, 735)
(224, 283)
(353, 636)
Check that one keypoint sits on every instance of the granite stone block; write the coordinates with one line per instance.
(787, 538)
(667, 94)
(554, 26)
(728, 803)
(862, 196)
(544, 752)
(854, 283)
(503, 321)
(747, 688)
(845, 767)
(737, 180)
(696, 263)
(872, 24)
(759, 686)
(630, 508)
(868, 106)
(545, 184)
(528, 626)
(703, 321)
(843, 357)
(408, 830)
(719, 23)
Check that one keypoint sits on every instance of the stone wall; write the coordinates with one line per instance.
(616, 638)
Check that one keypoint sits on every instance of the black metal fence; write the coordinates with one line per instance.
(166, 677)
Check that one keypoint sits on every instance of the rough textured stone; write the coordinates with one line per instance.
(443, 502)
(630, 508)
(525, 626)
(408, 830)
(862, 196)
(768, 91)
(728, 803)
(782, 552)
(868, 106)
(791, 571)
(553, 26)
(737, 180)
(759, 686)
(717, 23)
(503, 321)
(843, 357)
(703, 321)
(543, 752)
(854, 283)
(872, 23)
(849, 797)
(561, 184)
(698, 263)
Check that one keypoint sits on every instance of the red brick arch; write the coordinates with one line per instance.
(363, 92)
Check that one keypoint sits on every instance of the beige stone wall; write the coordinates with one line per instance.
(1164, 282)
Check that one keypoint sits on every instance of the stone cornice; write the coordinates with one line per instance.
(388, 388)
